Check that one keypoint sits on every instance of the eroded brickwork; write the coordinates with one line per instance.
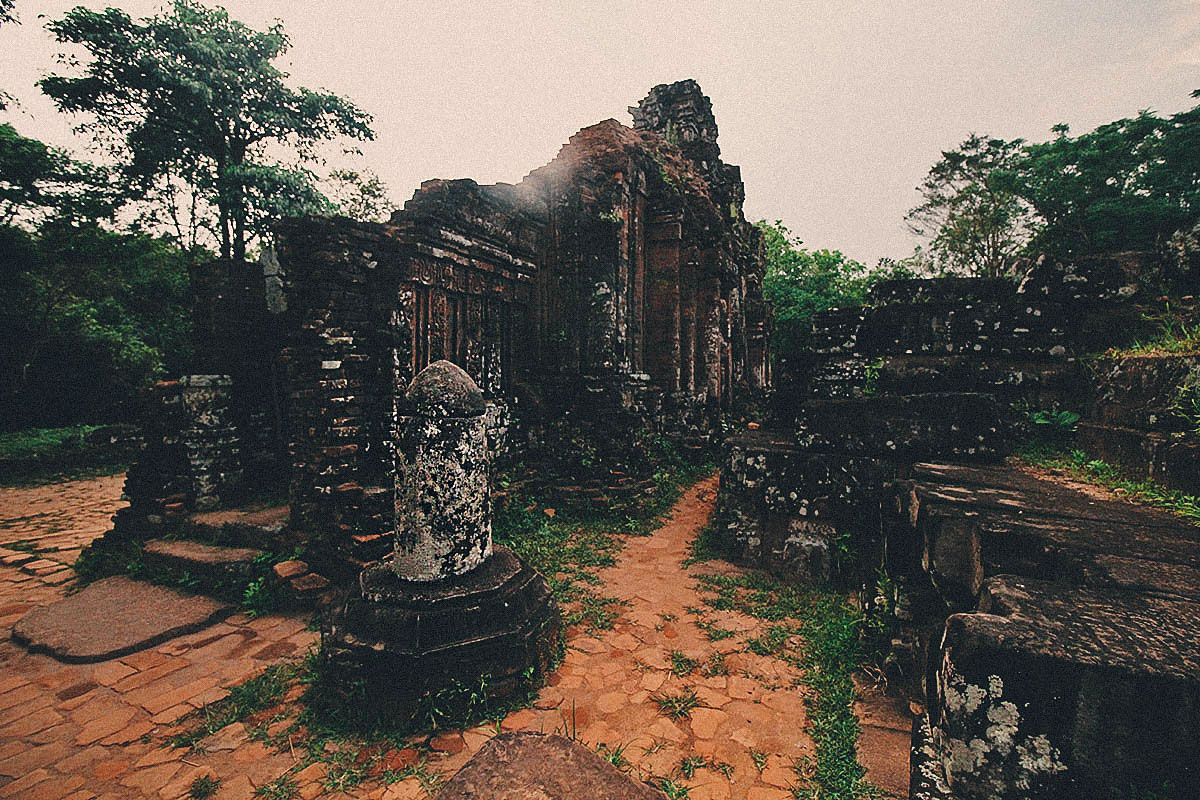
(612, 295)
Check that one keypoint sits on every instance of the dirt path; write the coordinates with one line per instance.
(748, 731)
(101, 730)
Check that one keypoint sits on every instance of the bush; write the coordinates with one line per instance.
(40, 454)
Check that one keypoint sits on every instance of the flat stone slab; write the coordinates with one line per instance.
(981, 521)
(526, 765)
(115, 617)
(183, 551)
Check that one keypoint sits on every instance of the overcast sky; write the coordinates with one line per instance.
(834, 110)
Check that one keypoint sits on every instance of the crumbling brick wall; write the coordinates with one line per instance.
(615, 292)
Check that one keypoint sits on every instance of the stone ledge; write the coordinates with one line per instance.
(522, 766)
(115, 617)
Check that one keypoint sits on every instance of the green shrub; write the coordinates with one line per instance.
(38, 455)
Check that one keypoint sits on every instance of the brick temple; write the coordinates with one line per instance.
(613, 295)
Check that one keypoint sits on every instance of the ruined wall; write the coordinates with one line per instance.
(370, 305)
(191, 458)
(614, 294)
(1144, 415)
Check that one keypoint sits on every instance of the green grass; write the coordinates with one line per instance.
(772, 642)
(282, 788)
(677, 705)
(710, 545)
(714, 632)
(1077, 465)
(715, 665)
(45, 455)
(203, 787)
(831, 655)
(690, 764)
(244, 699)
(613, 755)
(1176, 336)
(832, 631)
(681, 664)
(673, 789)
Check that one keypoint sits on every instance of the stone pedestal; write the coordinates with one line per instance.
(496, 626)
(449, 616)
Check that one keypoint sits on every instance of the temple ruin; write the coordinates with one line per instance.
(364, 383)
(612, 296)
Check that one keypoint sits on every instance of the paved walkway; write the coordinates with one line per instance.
(102, 730)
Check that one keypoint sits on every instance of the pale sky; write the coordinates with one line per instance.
(834, 110)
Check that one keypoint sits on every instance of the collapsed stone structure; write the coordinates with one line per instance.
(612, 298)
(1035, 628)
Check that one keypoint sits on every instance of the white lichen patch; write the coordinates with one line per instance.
(984, 745)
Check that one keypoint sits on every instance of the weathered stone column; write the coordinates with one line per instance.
(449, 610)
(211, 442)
(443, 508)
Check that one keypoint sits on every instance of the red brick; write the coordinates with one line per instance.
(107, 770)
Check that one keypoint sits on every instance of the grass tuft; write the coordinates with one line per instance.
(678, 705)
(681, 664)
(204, 787)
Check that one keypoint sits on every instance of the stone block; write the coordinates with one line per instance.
(497, 623)
(1046, 692)
(515, 766)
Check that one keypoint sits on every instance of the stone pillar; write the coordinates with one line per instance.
(211, 442)
(443, 509)
(448, 610)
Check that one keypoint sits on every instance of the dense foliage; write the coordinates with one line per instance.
(203, 145)
(89, 316)
(801, 282)
(975, 221)
(39, 182)
(201, 121)
(1128, 185)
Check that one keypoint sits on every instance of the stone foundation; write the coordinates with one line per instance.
(497, 625)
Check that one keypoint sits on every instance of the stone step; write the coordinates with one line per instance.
(941, 290)
(1073, 663)
(944, 328)
(911, 427)
(216, 569)
(254, 527)
(1033, 383)
(968, 531)
(1052, 692)
(1142, 392)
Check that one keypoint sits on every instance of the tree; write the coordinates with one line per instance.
(90, 317)
(360, 195)
(190, 104)
(799, 283)
(1127, 185)
(38, 182)
(974, 218)
(6, 16)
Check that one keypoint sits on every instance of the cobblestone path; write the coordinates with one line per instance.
(102, 730)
